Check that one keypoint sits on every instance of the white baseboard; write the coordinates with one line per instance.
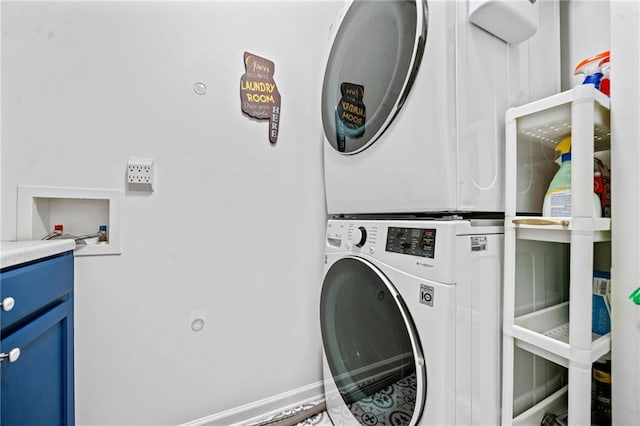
(255, 411)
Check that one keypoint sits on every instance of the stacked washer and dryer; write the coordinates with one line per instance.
(413, 104)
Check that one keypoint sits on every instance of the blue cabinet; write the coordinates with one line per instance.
(37, 381)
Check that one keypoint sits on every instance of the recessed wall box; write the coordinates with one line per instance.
(80, 210)
(513, 21)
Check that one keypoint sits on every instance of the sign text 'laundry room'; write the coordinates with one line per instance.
(259, 94)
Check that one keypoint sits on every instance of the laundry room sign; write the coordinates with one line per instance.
(350, 114)
(259, 94)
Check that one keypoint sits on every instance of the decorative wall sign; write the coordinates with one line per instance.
(259, 94)
(350, 114)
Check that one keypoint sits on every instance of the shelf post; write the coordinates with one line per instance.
(510, 156)
(508, 315)
(507, 379)
(582, 116)
(579, 395)
(580, 292)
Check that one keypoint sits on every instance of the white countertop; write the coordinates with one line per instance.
(17, 252)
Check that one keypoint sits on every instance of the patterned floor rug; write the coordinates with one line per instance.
(390, 406)
(320, 419)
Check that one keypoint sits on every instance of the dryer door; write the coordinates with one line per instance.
(371, 344)
(374, 58)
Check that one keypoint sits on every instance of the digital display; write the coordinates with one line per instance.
(412, 241)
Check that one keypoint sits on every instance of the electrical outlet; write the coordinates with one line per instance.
(140, 174)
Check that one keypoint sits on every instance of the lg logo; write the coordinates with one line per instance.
(426, 295)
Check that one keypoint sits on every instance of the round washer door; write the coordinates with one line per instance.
(371, 345)
(374, 59)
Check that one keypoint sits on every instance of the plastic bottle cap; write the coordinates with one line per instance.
(57, 227)
(102, 228)
(564, 145)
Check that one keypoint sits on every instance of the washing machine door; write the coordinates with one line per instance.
(371, 345)
(374, 58)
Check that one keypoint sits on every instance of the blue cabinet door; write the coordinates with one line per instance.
(37, 388)
(36, 287)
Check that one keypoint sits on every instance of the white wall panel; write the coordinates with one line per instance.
(585, 32)
(625, 198)
(234, 231)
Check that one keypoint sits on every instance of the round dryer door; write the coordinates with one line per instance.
(374, 58)
(371, 345)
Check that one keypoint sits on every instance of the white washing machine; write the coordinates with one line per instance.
(410, 316)
(413, 103)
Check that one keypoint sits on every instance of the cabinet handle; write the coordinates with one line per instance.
(13, 355)
(8, 303)
(561, 222)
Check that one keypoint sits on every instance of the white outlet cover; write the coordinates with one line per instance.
(140, 174)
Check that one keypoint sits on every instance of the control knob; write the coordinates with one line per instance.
(359, 236)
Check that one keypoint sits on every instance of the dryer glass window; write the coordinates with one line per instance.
(370, 344)
(373, 61)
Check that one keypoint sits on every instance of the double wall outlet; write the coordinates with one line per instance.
(140, 174)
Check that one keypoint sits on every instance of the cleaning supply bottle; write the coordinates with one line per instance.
(104, 236)
(591, 70)
(605, 83)
(602, 186)
(557, 200)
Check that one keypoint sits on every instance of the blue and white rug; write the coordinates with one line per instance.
(390, 406)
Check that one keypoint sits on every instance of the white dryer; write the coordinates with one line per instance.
(413, 103)
(410, 321)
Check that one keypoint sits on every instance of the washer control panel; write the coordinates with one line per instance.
(361, 238)
(437, 250)
(413, 241)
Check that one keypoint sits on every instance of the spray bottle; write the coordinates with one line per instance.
(591, 70)
(605, 83)
(557, 201)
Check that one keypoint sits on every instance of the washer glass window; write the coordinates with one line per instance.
(370, 344)
(373, 61)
